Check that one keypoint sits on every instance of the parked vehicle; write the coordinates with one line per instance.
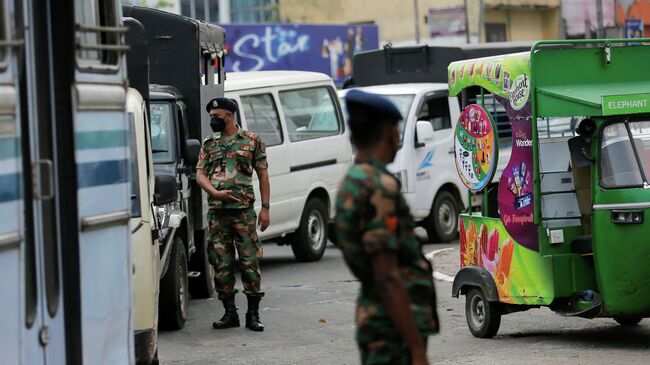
(569, 232)
(183, 55)
(298, 116)
(414, 78)
(65, 257)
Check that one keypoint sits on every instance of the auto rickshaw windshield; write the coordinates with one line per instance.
(625, 154)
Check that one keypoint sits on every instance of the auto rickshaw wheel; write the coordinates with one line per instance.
(483, 317)
(628, 321)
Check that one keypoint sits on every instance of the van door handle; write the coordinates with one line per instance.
(43, 179)
(452, 151)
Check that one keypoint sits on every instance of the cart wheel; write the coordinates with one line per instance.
(483, 317)
(628, 321)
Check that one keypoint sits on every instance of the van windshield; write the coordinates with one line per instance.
(625, 154)
(162, 136)
(403, 103)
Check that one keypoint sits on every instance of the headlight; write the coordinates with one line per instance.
(627, 216)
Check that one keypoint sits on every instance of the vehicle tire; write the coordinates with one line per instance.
(442, 223)
(173, 302)
(310, 240)
(483, 317)
(203, 285)
(628, 321)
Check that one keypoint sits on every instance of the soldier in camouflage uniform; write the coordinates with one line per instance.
(396, 307)
(225, 172)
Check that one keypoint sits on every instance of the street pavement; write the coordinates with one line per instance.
(308, 312)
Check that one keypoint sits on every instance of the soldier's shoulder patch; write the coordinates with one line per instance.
(364, 172)
(389, 182)
(249, 134)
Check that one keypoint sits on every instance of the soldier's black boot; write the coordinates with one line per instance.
(230, 318)
(253, 316)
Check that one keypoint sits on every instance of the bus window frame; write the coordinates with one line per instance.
(114, 29)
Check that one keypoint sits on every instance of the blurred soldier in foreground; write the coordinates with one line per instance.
(396, 307)
(225, 172)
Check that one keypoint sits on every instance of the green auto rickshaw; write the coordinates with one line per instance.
(563, 224)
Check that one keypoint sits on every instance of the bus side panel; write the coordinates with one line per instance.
(11, 212)
(104, 251)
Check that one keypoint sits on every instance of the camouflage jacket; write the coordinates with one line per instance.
(372, 216)
(230, 166)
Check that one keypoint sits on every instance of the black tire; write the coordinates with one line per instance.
(442, 223)
(309, 241)
(483, 317)
(203, 285)
(628, 321)
(173, 302)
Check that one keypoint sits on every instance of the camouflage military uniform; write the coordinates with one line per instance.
(229, 166)
(372, 216)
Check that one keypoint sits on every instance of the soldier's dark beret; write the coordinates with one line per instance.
(358, 101)
(221, 103)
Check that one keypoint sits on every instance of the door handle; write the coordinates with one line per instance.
(451, 151)
(43, 179)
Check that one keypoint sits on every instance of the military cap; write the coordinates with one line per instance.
(358, 101)
(221, 103)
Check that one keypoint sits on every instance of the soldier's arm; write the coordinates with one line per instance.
(381, 242)
(396, 299)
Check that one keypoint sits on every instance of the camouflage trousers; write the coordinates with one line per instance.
(378, 339)
(230, 231)
(385, 350)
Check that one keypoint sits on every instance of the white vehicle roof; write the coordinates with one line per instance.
(396, 89)
(257, 79)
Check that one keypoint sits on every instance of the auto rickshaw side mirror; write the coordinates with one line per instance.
(586, 129)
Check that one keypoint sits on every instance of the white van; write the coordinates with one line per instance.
(298, 116)
(425, 162)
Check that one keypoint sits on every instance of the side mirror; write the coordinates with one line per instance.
(192, 149)
(166, 190)
(423, 133)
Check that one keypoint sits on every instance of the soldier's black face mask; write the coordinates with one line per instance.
(217, 124)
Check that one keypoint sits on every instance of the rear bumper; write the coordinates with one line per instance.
(146, 345)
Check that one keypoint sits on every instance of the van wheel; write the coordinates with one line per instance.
(442, 223)
(483, 317)
(173, 300)
(203, 285)
(628, 321)
(310, 240)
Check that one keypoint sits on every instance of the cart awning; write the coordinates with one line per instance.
(593, 99)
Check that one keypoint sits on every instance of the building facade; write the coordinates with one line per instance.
(487, 20)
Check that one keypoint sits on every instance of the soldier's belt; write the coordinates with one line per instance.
(228, 211)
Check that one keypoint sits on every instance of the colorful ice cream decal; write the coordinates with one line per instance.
(507, 78)
(475, 146)
(521, 275)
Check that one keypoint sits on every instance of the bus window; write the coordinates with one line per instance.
(98, 37)
(3, 36)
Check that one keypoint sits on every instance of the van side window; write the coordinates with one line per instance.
(310, 113)
(436, 111)
(134, 171)
(262, 118)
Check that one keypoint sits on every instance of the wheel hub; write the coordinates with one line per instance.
(447, 218)
(315, 229)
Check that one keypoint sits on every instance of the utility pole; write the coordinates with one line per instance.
(466, 22)
(224, 11)
(416, 19)
(600, 31)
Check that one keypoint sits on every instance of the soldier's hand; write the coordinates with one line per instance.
(226, 197)
(420, 360)
(263, 220)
